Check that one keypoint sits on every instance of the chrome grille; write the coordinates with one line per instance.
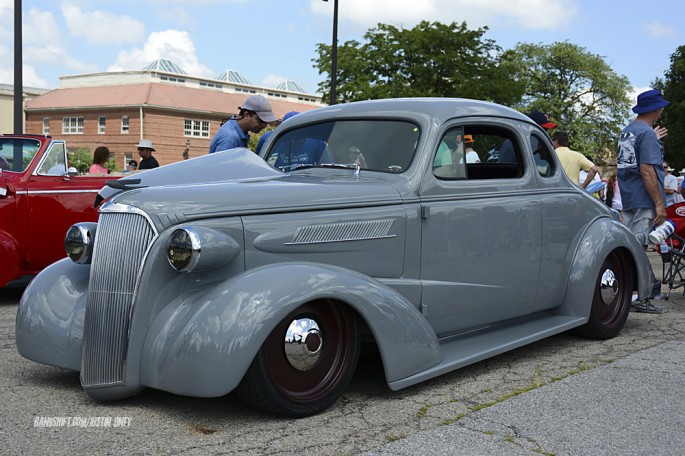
(121, 244)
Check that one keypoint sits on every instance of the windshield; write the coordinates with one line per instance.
(16, 154)
(375, 145)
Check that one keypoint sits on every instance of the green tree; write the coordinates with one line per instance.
(577, 89)
(429, 60)
(81, 159)
(673, 117)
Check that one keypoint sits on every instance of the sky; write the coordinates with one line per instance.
(270, 41)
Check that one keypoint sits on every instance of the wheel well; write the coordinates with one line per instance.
(628, 258)
(369, 347)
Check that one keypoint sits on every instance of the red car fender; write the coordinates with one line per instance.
(9, 252)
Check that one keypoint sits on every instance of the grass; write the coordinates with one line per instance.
(537, 383)
(423, 410)
(395, 437)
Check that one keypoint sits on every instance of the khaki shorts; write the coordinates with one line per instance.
(640, 223)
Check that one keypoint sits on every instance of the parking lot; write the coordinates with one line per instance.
(45, 411)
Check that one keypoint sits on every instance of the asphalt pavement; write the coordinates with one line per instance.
(564, 395)
(633, 406)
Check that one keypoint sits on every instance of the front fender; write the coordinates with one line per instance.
(49, 327)
(202, 343)
(601, 237)
(9, 252)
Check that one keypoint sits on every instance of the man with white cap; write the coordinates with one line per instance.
(145, 149)
(253, 116)
(641, 176)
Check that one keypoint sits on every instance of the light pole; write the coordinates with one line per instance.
(18, 72)
(334, 52)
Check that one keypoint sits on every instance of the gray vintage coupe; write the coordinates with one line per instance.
(368, 225)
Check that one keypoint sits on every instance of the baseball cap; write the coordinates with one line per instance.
(260, 106)
(542, 119)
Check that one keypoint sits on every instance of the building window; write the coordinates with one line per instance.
(72, 125)
(196, 128)
(101, 125)
(210, 84)
(124, 125)
(46, 125)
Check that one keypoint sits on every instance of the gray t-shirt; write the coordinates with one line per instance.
(638, 144)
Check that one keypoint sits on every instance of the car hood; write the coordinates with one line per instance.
(241, 183)
(239, 163)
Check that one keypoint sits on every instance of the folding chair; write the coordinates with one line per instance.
(673, 264)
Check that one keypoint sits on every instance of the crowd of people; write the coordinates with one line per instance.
(643, 185)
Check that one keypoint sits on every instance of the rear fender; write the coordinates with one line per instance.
(602, 237)
(202, 344)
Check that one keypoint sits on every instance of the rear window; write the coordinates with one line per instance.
(374, 145)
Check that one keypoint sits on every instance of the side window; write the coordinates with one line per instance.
(478, 152)
(54, 163)
(449, 160)
(542, 154)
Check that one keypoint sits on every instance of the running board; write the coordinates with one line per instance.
(469, 349)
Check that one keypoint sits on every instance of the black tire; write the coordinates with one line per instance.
(609, 313)
(273, 385)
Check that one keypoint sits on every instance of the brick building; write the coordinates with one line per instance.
(175, 111)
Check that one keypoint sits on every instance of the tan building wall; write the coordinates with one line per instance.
(7, 105)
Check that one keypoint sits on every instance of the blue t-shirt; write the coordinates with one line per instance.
(638, 144)
(229, 136)
(261, 141)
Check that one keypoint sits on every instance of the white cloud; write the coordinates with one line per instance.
(40, 27)
(29, 76)
(101, 27)
(632, 95)
(272, 80)
(656, 29)
(55, 54)
(174, 45)
(528, 14)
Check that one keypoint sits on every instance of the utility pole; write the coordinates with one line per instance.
(334, 52)
(18, 71)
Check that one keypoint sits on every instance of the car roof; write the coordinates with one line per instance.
(439, 109)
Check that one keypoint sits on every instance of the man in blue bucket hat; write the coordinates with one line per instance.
(641, 177)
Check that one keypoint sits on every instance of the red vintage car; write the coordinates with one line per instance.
(40, 198)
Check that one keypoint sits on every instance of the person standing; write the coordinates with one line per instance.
(100, 158)
(641, 177)
(266, 135)
(145, 149)
(613, 195)
(573, 161)
(670, 185)
(132, 165)
(470, 154)
(253, 116)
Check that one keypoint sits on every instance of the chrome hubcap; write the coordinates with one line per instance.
(303, 342)
(608, 287)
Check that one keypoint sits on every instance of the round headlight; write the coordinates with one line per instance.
(198, 248)
(79, 242)
(184, 249)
